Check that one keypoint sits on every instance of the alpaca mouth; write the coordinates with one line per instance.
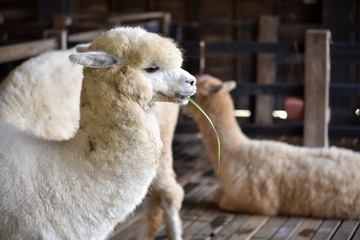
(182, 99)
(184, 95)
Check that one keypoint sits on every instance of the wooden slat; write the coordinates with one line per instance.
(297, 89)
(231, 227)
(326, 230)
(317, 80)
(85, 36)
(25, 50)
(346, 230)
(249, 228)
(243, 48)
(288, 229)
(307, 229)
(356, 234)
(212, 223)
(219, 223)
(270, 228)
(194, 217)
(136, 17)
(266, 69)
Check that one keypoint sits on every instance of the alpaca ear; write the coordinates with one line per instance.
(95, 59)
(224, 87)
(229, 86)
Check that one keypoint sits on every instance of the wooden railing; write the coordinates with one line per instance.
(316, 90)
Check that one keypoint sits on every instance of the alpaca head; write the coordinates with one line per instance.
(212, 95)
(153, 58)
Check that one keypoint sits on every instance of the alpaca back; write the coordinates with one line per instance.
(42, 96)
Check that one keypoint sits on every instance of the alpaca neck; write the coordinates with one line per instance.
(221, 114)
(108, 118)
(107, 103)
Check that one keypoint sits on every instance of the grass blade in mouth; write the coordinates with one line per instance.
(211, 123)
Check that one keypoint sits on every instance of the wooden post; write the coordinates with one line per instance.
(166, 22)
(266, 69)
(317, 81)
(61, 21)
(59, 35)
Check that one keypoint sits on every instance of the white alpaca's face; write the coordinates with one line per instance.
(171, 84)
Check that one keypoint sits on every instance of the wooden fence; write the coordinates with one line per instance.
(316, 90)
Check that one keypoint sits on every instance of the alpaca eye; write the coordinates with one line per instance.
(151, 69)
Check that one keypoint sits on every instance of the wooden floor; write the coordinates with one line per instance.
(203, 220)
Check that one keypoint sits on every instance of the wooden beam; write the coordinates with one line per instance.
(86, 36)
(27, 49)
(317, 81)
(110, 19)
(266, 69)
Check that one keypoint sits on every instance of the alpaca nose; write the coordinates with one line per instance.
(191, 81)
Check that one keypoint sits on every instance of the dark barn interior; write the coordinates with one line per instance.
(278, 52)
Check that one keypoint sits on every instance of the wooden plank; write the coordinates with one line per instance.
(269, 228)
(317, 81)
(243, 48)
(266, 69)
(212, 222)
(231, 227)
(249, 228)
(307, 229)
(136, 17)
(25, 50)
(193, 219)
(288, 229)
(86, 36)
(356, 234)
(326, 230)
(346, 230)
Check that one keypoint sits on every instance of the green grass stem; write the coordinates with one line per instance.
(211, 123)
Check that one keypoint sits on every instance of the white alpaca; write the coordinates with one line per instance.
(82, 187)
(42, 96)
(270, 177)
(54, 114)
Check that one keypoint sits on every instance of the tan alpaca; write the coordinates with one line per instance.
(270, 177)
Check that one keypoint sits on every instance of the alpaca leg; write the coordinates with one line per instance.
(152, 217)
(170, 191)
(241, 205)
(223, 201)
(226, 203)
(164, 203)
(171, 201)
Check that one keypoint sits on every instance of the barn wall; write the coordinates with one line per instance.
(341, 17)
